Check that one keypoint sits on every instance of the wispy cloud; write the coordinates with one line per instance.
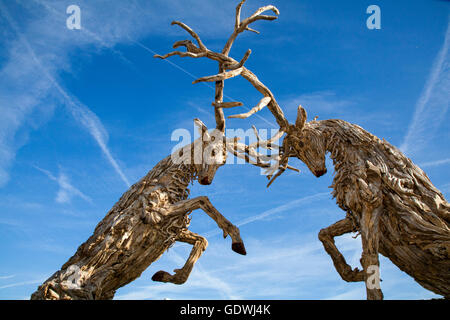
(320, 101)
(199, 281)
(22, 283)
(279, 209)
(433, 102)
(66, 190)
(435, 163)
(353, 294)
(290, 265)
(20, 52)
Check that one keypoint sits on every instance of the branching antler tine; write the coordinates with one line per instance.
(253, 18)
(245, 57)
(219, 77)
(276, 176)
(263, 9)
(292, 168)
(241, 63)
(255, 131)
(258, 156)
(181, 54)
(277, 136)
(273, 105)
(192, 33)
(268, 144)
(190, 47)
(218, 98)
(261, 104)
(184, 43)
(241, 26)
(249, 160)
(283, 165)
(238, 14)
(252, 30)
(226, 104)
(241, 147)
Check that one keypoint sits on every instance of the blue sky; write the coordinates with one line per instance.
(85, 113)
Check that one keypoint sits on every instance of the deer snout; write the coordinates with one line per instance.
(205, 181)
(320, 173)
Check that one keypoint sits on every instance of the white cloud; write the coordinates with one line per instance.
(31, 72)
(433, 102)
(22, 283)
(321, 101)
(199, 281)
(354, 294)
(66, 190)
(435, 163)
(289, 266)
(277, 210)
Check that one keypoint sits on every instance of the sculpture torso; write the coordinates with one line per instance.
(414, 224)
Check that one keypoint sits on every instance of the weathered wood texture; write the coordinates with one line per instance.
(387, 198)
(142, 225)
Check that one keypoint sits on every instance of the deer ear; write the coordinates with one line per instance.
(202, 129)
(301, 118)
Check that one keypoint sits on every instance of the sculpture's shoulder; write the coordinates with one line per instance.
(148, 184)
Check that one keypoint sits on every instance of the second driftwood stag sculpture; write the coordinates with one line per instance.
(387, 198)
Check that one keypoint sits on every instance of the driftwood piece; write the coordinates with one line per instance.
(147, 220)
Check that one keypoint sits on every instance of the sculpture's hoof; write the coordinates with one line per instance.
(161, 276)
(239, 248)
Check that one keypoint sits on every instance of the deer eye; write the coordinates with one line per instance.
(301, 144)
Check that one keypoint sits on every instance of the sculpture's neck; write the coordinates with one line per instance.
(177, 179)
(343, 141)
(175, 176)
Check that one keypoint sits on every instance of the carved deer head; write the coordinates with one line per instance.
(210, 152)
(306, 143)
(205, 155)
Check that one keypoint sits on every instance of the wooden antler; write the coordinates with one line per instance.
(229, 68)
(235, 68)
(244, 25)
(250, 155)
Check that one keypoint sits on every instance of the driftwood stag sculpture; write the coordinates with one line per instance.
(144, 223)
(387, 199)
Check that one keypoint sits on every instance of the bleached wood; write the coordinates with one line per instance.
(226, 62)
(261, 104)
(219, 77)
(225, 105)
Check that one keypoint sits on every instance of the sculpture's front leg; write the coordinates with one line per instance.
(181, 275)
(327, 236)
(227, 227)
